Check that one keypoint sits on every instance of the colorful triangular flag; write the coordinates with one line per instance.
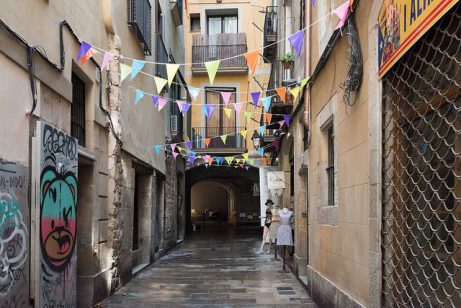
(136, 66)
(189, 144)
(255, 97)
(282, 92)
(125, 70)
(304, 82)
(158, 148)
(228, 112)
(281, 123)
(296, 40)
(262, 129)
(87, 56)
(245, 156)
(139, 95)
(175, 154)
(244, 133)
(162, 101)
(84, 48)
(224, 138)
(268, 118)
(193, 92)
(226, 97)
(261, 151)
(185, 109)
(108, 56)
(171, 70)
(207, 142)
(238, 107)
(173, 147)
(155, 100)
(160, 83)
(295, 92)
(209, 110)
(267, 102)
(229, 160)
(287, 119)
(248, 115)
(212, 68)
(252, 59)
(341, 12)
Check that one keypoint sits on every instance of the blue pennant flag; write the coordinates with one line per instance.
(158, 148)
(139, 96)
(261, 151)
(136, 66)
(262, 129)
(267, 102)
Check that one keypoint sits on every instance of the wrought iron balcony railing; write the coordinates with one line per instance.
(234, 139)
(270, 33)
(219, 46)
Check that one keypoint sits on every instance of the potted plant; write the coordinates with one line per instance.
(287, 60)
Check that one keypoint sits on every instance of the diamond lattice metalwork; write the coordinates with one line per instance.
(421, 235)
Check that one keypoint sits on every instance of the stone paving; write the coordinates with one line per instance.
(215, 268)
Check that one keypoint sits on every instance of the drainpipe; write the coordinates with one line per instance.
(307, 97)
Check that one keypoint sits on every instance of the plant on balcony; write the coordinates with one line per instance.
(287, 60)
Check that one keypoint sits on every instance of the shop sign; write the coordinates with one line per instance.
(402, 23)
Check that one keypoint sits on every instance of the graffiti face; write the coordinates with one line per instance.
(57, 217)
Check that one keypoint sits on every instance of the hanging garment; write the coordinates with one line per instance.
(284, 236)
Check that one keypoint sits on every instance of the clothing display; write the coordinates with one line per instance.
(268, 220)
(284, 236)
(274, 225)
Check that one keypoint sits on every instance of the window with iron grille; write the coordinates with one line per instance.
(331, 166)
(77, 120)
(139, 20)
(421, 193)
(176, 118)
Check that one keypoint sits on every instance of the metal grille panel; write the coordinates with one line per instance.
(421, 233)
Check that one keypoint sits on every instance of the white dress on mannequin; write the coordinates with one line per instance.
(284, 236)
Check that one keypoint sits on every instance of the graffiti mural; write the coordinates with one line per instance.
(14, 235)
(57, 218)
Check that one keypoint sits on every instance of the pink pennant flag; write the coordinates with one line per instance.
(175, 154)
(108, 56)
(162, 101)
(226, 97)
(238, 107)
(281, 123)
(341, 12)
(173, 147)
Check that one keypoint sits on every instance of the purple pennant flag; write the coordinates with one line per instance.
(247, 167)
(226, 97)
(287, 119)
(189, 144)
(185, 108)
(209, 110)
(84, 48)
(296, 39)
(313, 2)
(155, 100)
(255, 97)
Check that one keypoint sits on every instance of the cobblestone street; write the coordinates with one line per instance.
(218, 268)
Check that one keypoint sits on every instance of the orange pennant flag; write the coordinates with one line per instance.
(351, 3)
(252, 59)
(207, 142)
(88, 55)
(268, 118)
(282, 92)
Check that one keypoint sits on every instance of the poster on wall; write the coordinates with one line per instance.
(14, 234)
(402, 23)
(276, 180)
(56, 169)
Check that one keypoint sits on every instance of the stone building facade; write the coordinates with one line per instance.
(127, 201)
(360, 157)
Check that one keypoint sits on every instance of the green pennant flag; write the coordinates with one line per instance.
(304, 82)
(224, 138)
(248, 115)
(212, 68)
(229, 160)
(125, 70)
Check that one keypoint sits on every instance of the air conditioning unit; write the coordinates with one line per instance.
(174, 122)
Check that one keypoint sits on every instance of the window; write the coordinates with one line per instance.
(222, 24)
(77, 120)
(135, 244)
(195, 23)
(176, 118)
(331, 166)
(139, 20)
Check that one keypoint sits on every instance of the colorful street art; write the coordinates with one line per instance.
(57, 218)
(14, 235)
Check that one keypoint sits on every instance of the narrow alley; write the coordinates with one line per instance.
(218, 267)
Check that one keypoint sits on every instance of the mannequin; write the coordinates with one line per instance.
(284, 236)
(267, 223)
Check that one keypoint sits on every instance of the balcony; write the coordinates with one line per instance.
(176, 11)
(235, 142)
(270, 33)
(219, 46)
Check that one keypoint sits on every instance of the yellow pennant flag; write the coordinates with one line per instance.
(212, 68)
(125, 70)
(224, 138)
(160, 83)
(245, 156)
(244, 133)
(304, 82)
(228, 112)
(295, 92)
(171, 70)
